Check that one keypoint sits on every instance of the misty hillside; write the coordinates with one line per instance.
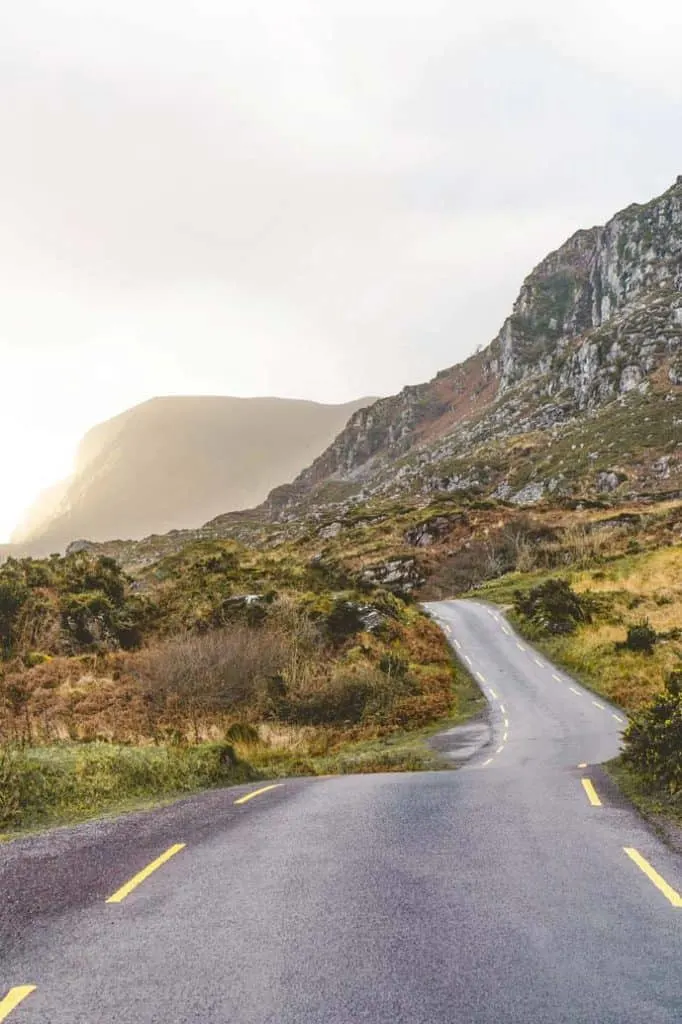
(176, 462)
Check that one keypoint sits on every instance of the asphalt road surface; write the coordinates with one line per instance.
(501, 893)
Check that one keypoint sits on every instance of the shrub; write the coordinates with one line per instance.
(554, 607)
(343, 621)
(641, 637)
(653, 740)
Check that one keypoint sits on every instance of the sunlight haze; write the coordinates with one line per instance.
(314, 199)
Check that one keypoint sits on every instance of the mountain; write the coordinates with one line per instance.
(174, 462)
(579, 394)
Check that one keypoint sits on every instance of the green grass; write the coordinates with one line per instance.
(72, 782)
(659, 807)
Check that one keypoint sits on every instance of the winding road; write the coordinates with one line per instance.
(521, 888)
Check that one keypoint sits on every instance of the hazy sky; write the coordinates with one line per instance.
(308, 198)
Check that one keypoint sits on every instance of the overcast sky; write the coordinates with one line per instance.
(307, 198)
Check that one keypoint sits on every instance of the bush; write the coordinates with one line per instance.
(653, 740)
(641, 637)
(343, 621)
(554, 607)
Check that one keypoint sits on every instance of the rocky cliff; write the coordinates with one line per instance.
(594, 338)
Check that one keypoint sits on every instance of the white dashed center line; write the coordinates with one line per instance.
(617, 717)
(521, 647)
(576, 692)
(481, 676)
(598, 705)
(556, 677)
(493, 694)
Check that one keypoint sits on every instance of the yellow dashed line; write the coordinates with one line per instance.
(538, 662)
(670, 894)
(592, 795)
(521, 647)
(576, 692)
(500, 749)
(126, 889)
(583, 764)
(481, 676)
(617, 717)
(493, 694)
(598, 705)
(486, 762)
(555, 677)
(257, 792)
(467, 659)
(13, 998)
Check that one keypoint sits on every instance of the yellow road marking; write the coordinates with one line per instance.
(486, 762)
(507, 631)
(504, 738)
(592, 795)
(13, 998)
(556, 677)
(137, 879)
(257, 792)
(653, 876)
(598, 705)
(467, 659)
(457, 645)
(493, 694)
(502, 708)
(583, 764)
(538, 662)
(481, 676)
(576, 692)
(506, 723)
(521, 647)
(617, 717)
(500, 749)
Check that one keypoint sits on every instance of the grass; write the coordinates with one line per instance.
(662, 809)
(67, 783)
(628, 589)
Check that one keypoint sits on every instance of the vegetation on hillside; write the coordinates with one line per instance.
(617, 625)
(310, 653)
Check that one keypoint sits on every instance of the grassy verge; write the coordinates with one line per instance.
(71, 782)
(660, 808)
(628, 590)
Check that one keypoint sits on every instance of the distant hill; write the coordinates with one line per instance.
(177, 462)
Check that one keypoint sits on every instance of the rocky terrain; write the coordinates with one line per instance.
(576, 403)
(579, 394)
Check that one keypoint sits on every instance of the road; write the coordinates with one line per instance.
(497, 894)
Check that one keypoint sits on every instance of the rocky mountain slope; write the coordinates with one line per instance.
(179, 461)
(580, 393)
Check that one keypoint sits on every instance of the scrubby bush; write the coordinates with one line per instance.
(554, 607)
(641, 637)
(653, 740)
